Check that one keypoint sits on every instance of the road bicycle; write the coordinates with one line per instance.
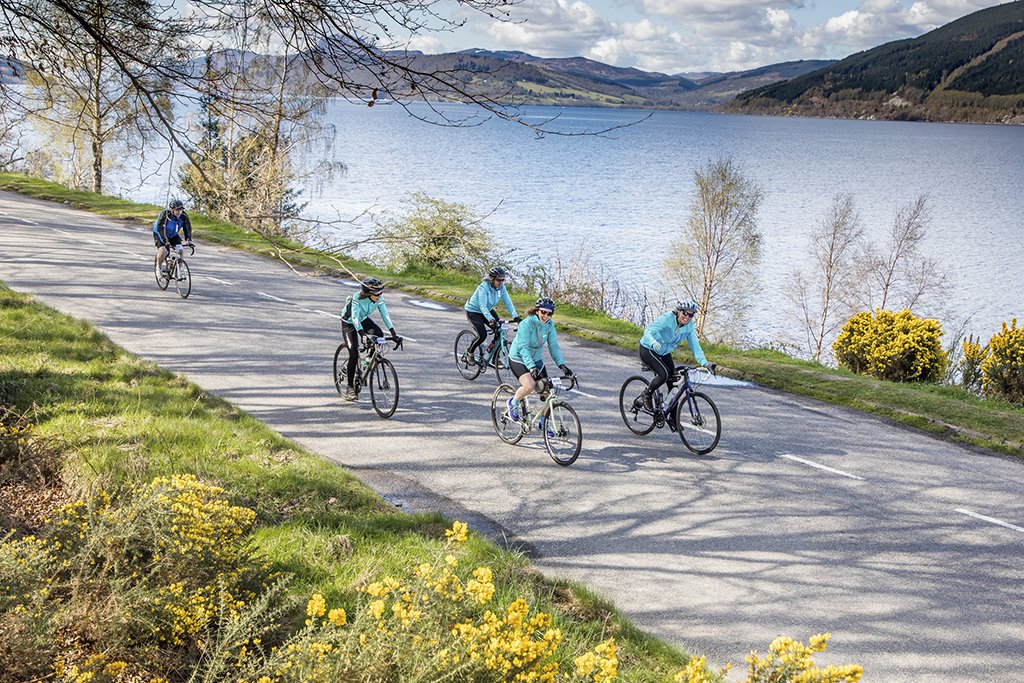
(174, 269)
(691, 413)
(375, 371)
(495, 355)
(555, 418)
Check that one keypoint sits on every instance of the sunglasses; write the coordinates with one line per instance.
(544, 310)
(688, 314)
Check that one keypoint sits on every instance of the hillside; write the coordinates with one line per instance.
(581, 82)
(971, 69)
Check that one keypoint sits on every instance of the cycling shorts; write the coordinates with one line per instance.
(175, 241)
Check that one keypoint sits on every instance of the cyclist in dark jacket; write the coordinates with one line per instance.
(170, 226)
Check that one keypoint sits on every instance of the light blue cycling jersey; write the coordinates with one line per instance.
(531, 336)
(486, 297)
(665, 334)
(357, 310)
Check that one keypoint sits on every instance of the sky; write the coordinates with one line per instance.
(697, 36)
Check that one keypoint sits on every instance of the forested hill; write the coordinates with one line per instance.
(971, 69)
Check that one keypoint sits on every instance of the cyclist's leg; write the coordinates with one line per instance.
(352, 342)
(526, 384)
(479, 323)
(662, 366)
(161, 252)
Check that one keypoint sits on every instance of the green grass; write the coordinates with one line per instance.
(989, 423)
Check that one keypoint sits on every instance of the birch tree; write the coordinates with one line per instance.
(713, 260)
(821, 294)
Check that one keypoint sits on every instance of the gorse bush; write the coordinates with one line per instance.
(788, 661)
(158, 584)
(1003, 367)
(969, 367)
(898, 347)
(157, 579)
(439, 623)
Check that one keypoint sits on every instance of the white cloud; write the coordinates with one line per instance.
(672, 36)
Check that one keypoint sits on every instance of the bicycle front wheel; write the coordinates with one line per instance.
(162, 279)
(562, 435)
(638, 419)
(469, 367)
(501, 367)
(508, 429)
(183, 279)
(699, 423)
(384, 388)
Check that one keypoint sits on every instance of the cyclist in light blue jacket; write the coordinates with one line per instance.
(661, 338)
(525, 357)
(480, 309)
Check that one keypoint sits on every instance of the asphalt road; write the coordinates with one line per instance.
(807, 518)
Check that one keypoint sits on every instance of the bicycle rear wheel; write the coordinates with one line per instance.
(638, 419)
(183, 279)
(508, 429)
(470, 368)
(562, 435)
(384, 388)
(341, 369)
(162, 279)
(699, 423)
(501, 367)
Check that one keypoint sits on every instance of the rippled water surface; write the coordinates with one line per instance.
(628, 192)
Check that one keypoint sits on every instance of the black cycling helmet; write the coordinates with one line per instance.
(176, 204)
(372, 285)
(687, 306)
(546, 303)
(497, 271)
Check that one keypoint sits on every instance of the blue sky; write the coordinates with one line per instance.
(686, 36)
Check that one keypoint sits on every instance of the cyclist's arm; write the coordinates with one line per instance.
(694, 344)
(383, 308)
(161, 226)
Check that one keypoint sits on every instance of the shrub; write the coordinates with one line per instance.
(898, 347)
(441, 622)
(435, 234)
(1003, 368)
(788, 661)
(970, 366)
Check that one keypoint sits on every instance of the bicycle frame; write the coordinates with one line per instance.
(531, 420)
(374, 347)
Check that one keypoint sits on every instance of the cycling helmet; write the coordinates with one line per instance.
(546, 303)
(372, 285)
(687, 306)
(175, 204)
(497, 271)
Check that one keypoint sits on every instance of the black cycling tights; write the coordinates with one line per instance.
(352, 342)
(479, 322)
(663, 366)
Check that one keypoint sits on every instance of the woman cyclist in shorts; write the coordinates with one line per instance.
(480, 309)
(659, 341)
(525, 356)
(355, 320)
